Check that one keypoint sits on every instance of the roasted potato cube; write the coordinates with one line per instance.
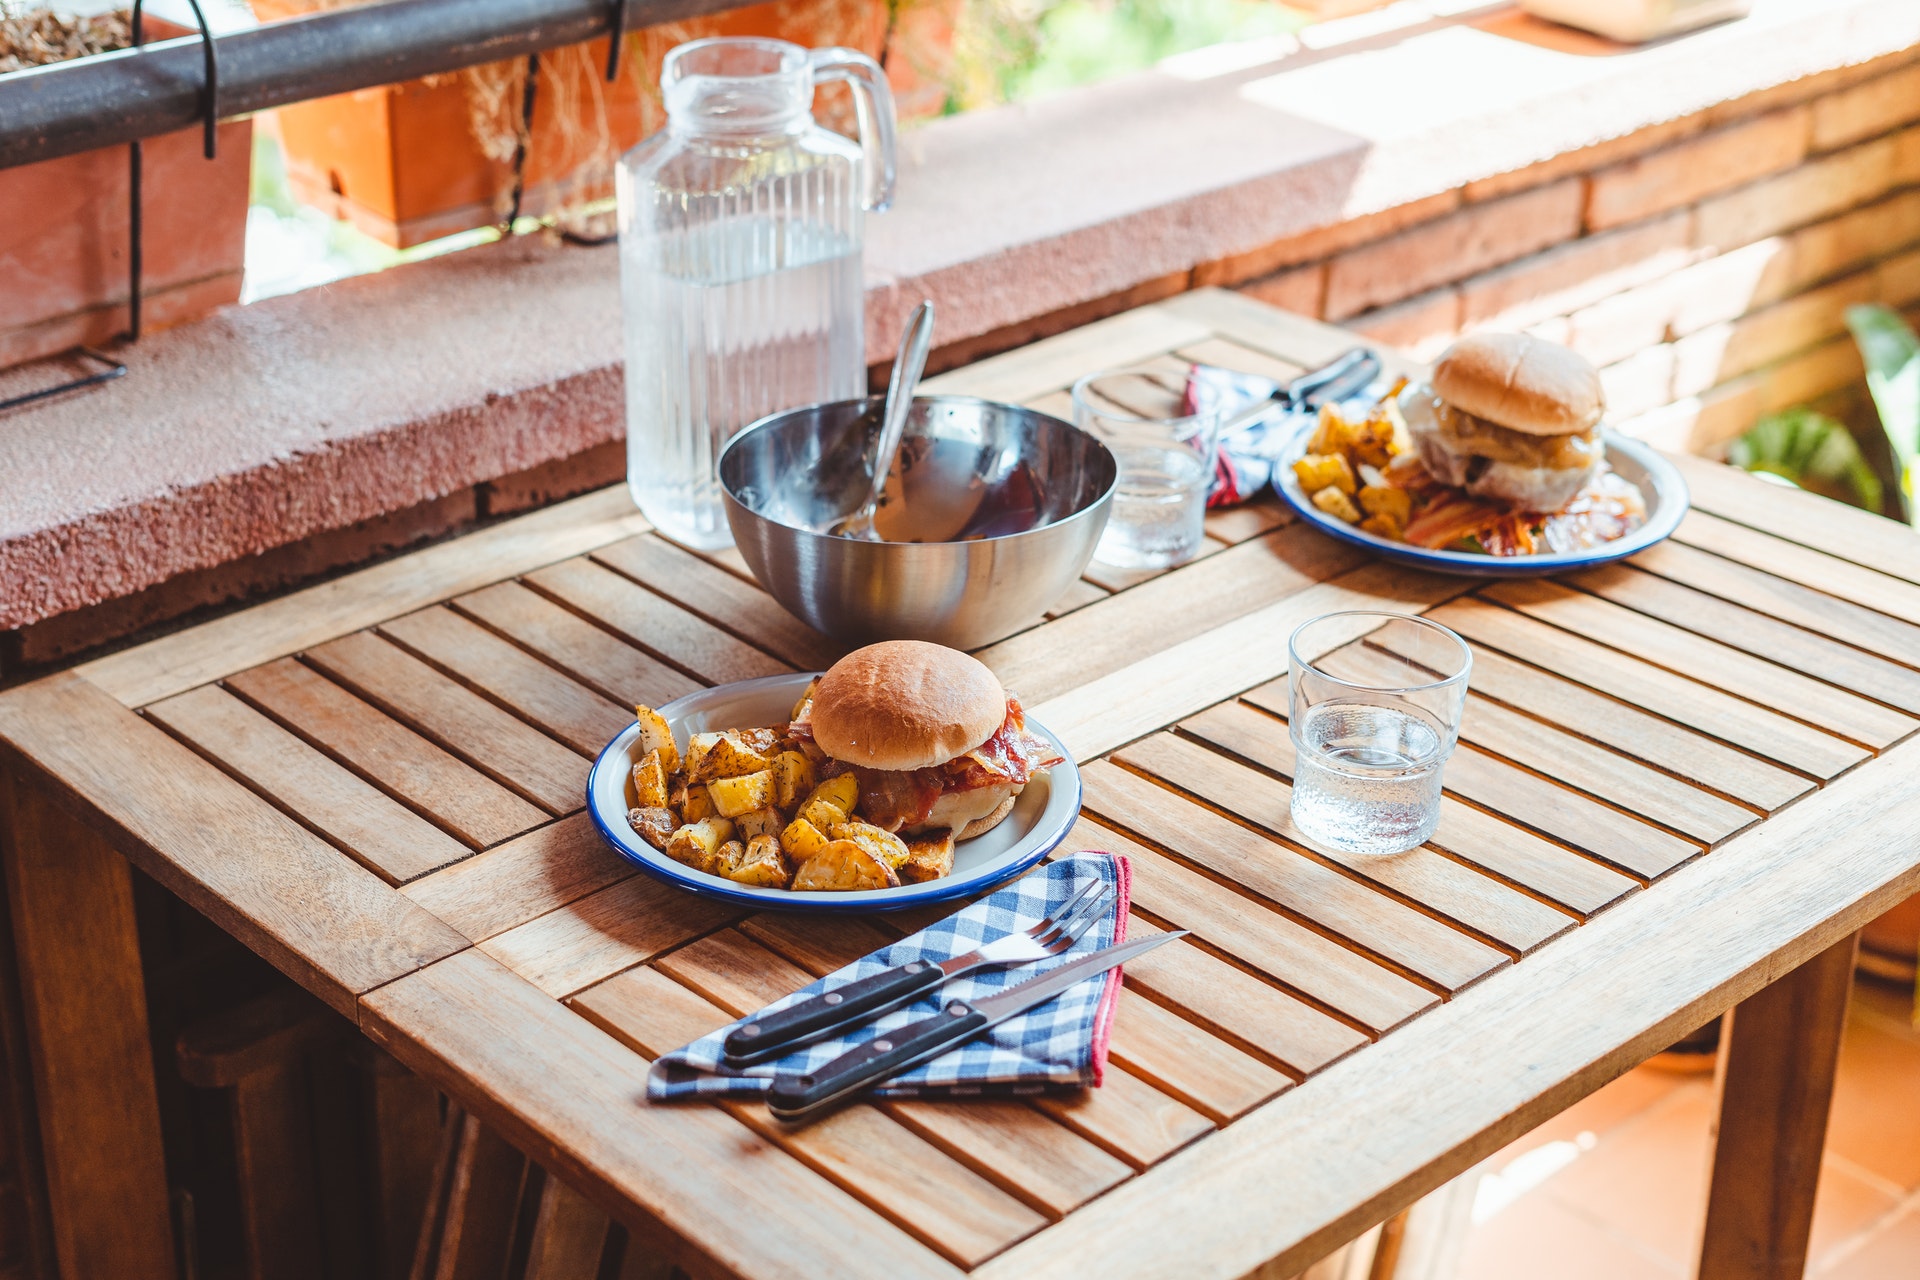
(655, 736)
(765, 821)
(1336, 503)
(821, 814)
(1332, 432)
(735, 796)
(698, 804)
(843, 866)
(729, 856)
(878, 841)
(1318, 471)
(792, 777)
(764, 742)
(1372, 441)
(725, 755)
(763, 865)
(698, 843)
(650, 783)
(1397, 424)
(1384, 526)
(698, 744)
(801, 840)
(654, 825)
(929, 857)
(1385, 500)
(842, 792)
(676, 790)
(804, 708)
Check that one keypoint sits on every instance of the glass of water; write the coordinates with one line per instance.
(1375, 710)
(1162, 430)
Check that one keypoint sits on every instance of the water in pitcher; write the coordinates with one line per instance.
(742, 318)
(1366, 777)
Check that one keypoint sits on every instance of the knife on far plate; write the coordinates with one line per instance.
(794, 1097)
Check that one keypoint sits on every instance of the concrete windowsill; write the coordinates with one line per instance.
(272, 423)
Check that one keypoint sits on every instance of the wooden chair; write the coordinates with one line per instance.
(257, 1051)
(495, 1215)
(334, 1141)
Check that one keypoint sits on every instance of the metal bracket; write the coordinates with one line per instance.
(114, 369)
(616, 37)
(135, 157)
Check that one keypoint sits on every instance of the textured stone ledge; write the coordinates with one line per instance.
(309, 415)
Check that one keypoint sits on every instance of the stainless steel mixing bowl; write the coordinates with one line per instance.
(991, 512)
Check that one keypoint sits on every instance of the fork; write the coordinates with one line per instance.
(823, 1015)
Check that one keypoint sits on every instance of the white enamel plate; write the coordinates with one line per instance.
(1040, 819)
(1658, 480)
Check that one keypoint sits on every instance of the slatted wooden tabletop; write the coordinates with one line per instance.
(1678, 777)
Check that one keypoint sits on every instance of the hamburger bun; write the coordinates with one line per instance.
(980, 826)
(1522, 383)
(969, 812)
(906, 704)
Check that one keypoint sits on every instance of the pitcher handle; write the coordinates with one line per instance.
(872, 108)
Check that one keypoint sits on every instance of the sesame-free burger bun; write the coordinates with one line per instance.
(980, 826)
(906, 704)
(970, 812)
(1520, 382)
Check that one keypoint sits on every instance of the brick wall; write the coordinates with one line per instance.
(1705, 264)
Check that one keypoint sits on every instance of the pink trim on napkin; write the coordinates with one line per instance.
(1110, 997)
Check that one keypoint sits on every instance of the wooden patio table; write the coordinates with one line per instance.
(1683, 784)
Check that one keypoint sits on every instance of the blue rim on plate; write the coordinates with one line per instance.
(1658, 479)
(1040, 820)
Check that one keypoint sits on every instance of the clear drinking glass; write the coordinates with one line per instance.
(1162, 433)
(741, 225)
(1375, 711)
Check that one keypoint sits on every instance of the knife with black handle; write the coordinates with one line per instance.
(794, 1097)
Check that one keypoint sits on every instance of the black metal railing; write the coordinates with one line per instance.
(119, 97)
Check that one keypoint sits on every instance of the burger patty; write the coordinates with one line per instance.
(1462, 432)
(1534, 473)
(902, 798)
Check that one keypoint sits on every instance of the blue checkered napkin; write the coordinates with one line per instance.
(1060, 1044)
(1246, 459)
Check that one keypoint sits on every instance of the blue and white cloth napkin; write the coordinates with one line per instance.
(1060, 1044)
(1244, 464)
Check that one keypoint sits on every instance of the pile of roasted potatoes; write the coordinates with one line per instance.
(749, 805)
(1353, 468)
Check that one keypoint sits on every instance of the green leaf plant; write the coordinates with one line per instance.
(1892, 356)
(1809, 450)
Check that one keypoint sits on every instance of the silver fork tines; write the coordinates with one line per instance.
(1048, 937)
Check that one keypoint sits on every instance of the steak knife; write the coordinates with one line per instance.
(795, 1097)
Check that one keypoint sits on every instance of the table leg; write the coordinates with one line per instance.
(85, 1007)
(1782, 1048)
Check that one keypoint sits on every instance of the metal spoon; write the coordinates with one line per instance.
(915, 341)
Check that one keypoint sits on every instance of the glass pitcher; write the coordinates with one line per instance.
(740, 267)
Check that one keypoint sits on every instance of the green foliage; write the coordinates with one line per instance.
(1017, 49)
(1810, 450)
(1892, 356)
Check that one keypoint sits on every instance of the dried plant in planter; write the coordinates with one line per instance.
(33, 35)
(66, 222)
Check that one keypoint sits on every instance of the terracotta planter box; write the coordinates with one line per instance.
(404, 164)
(63, 240)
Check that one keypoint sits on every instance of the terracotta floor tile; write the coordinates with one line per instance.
(1599, 1113)
(1545, 1239)
(1876, 1101)
(1845, 1206)
(1649, 1180)
(1633, 1196)
(1891, 1253)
